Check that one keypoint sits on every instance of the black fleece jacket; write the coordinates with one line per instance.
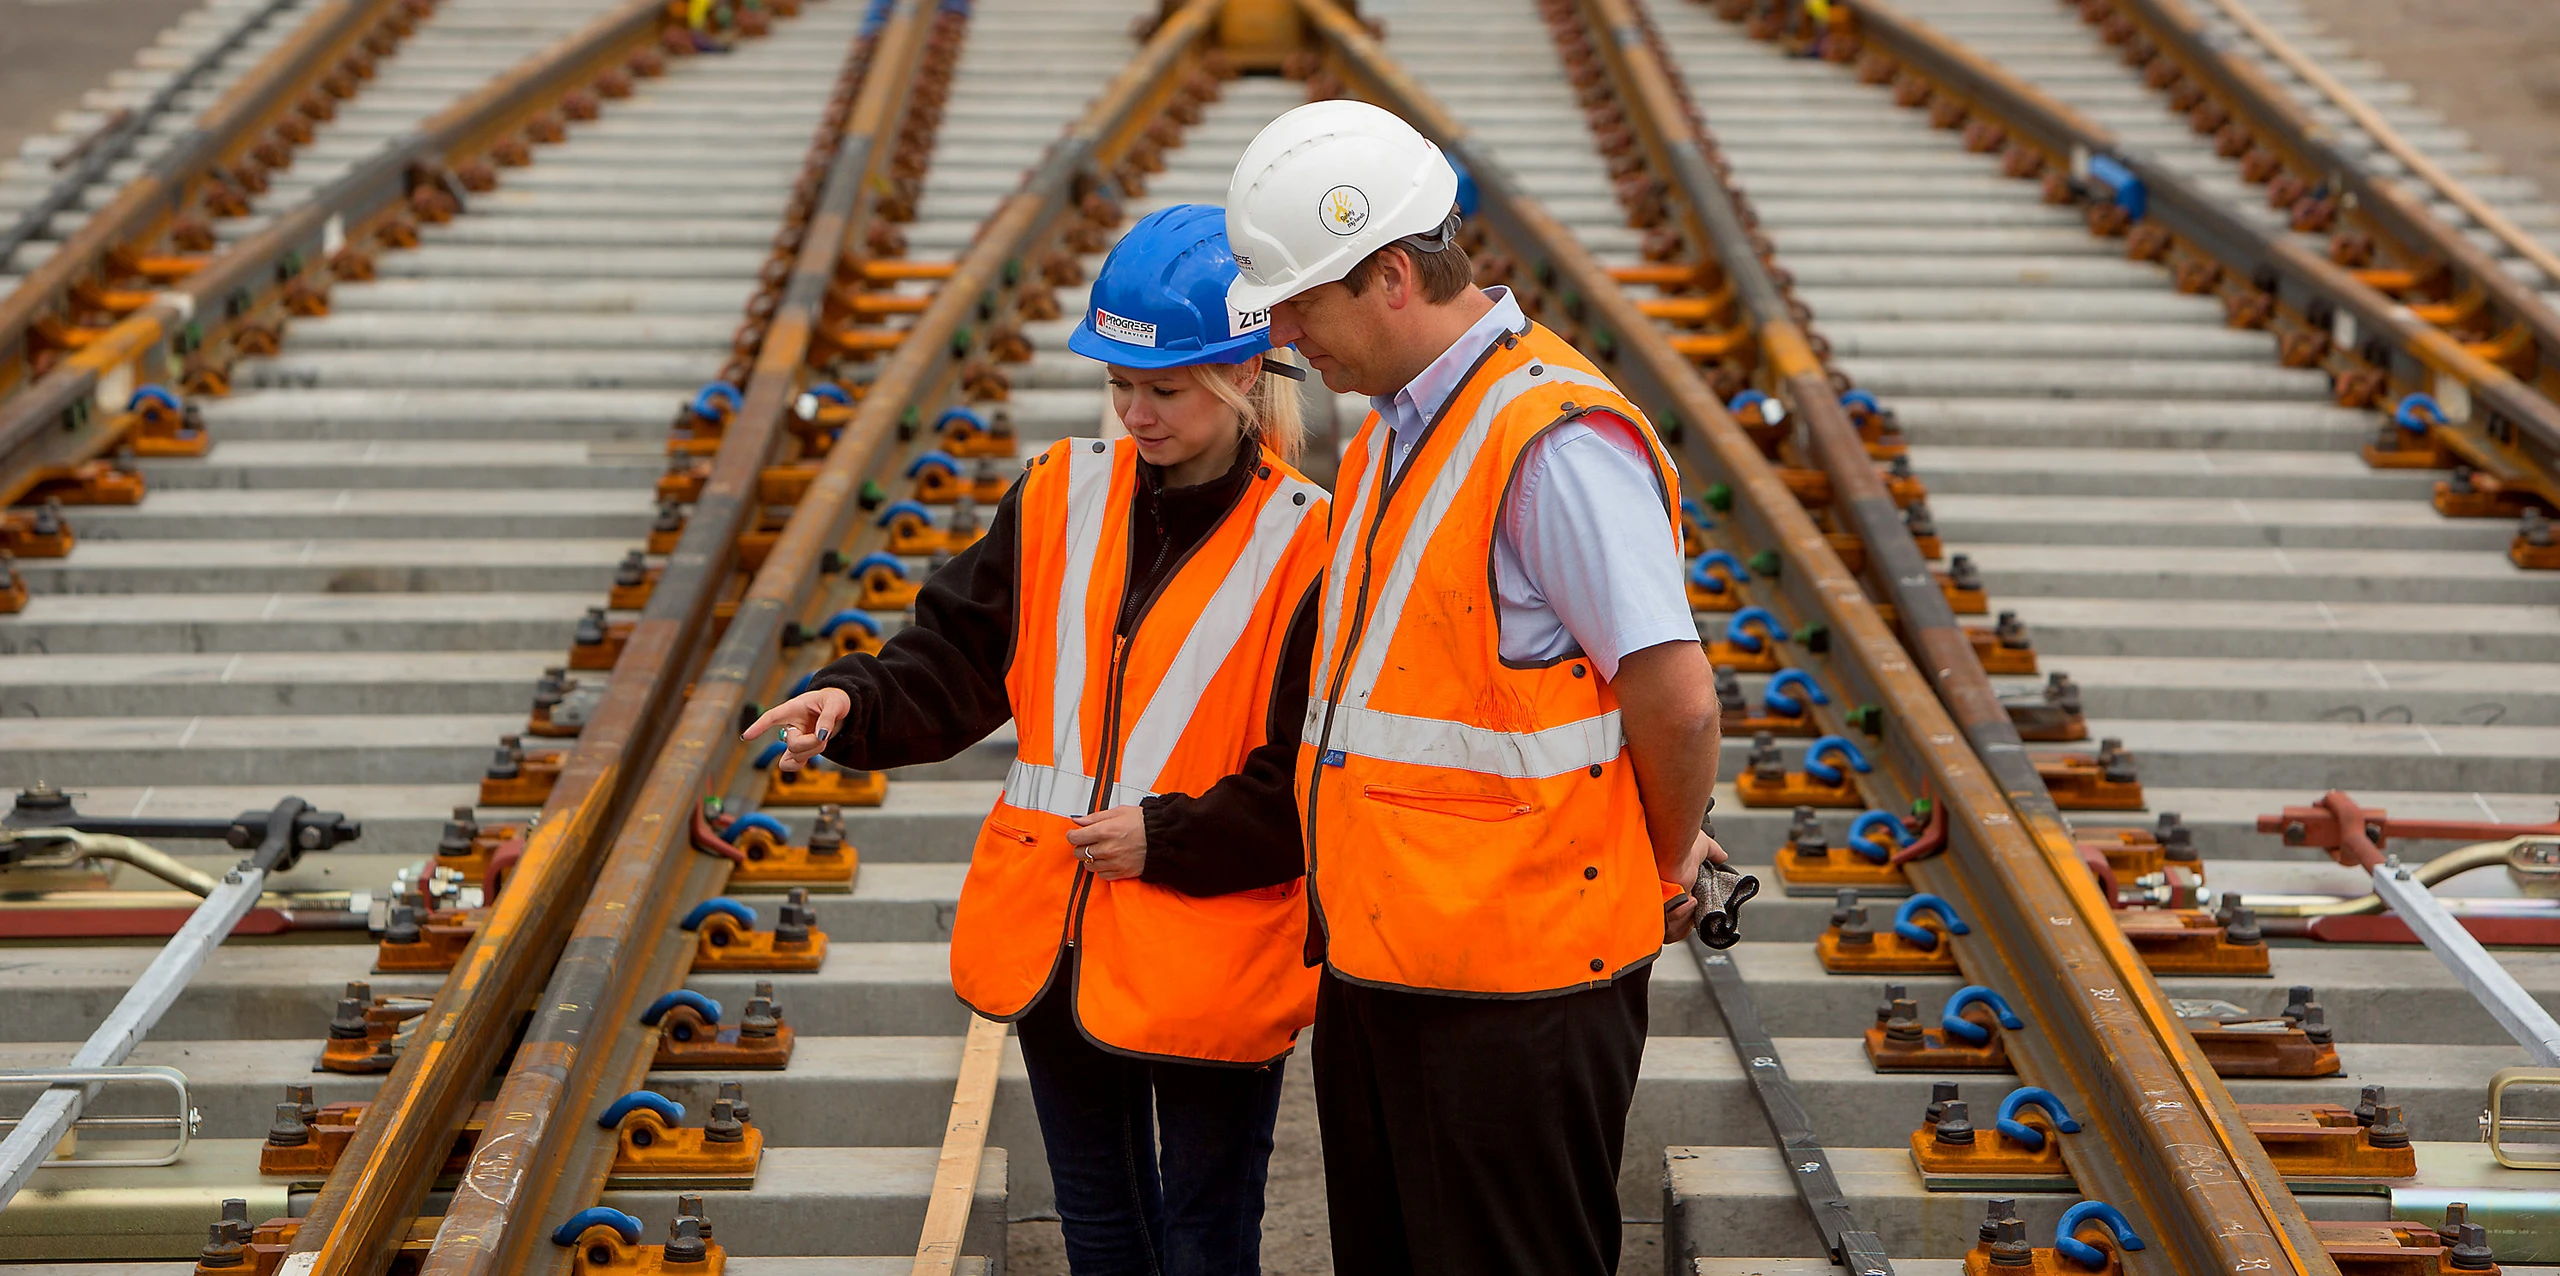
(937, 687)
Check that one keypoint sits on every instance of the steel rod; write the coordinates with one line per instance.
(50, 1117)
(2489, 982)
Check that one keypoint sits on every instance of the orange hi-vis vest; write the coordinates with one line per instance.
(1473, 825)
(1105, 722)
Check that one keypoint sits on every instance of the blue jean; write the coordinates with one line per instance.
(1126, 1207)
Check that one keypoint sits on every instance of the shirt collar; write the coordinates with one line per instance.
(1412, 407)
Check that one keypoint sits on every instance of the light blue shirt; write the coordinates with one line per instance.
(1410, 409)
(1586, 558)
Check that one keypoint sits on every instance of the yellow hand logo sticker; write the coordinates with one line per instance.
(1344, 210)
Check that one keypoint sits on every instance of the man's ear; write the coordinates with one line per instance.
(1395, 277)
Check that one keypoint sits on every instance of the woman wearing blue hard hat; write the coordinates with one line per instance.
(1140, 609)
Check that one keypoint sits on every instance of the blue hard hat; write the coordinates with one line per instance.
(1161, 301)
(1468, 196)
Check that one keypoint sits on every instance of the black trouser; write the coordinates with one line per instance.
(1129, 1205)
(1475, 1135)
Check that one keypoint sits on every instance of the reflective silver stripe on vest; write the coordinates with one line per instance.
(1388, 599)
(1088, 501)
(1214, 635)
(1031, 787)
(1455, 746)
(1347, 547)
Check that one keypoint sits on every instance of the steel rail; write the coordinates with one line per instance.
(425, 1097)
(74, 412)
(163, 190)
(626, 943)
(2169, 1146)
(1798, 377)
(362, 1213)
(584, 1039)
(2498, 423)
(1896, 566)
(2452, 188)
(2321, 160)
(104, 149)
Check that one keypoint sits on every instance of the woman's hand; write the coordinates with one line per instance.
(1112, 843)
(807, 721)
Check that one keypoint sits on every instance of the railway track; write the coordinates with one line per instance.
(2181, 522)
(415, 500)
(128, 123)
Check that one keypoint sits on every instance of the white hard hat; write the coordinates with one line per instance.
(1320, 189)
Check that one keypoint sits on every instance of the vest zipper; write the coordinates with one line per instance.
(1107, 773)
(1391, 478)
(1101, 779)
(1341, 673)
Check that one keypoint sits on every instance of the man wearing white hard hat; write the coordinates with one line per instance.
(1511, 728)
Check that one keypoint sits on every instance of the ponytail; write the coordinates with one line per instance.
(1269, 408)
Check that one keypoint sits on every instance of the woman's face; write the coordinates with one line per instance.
(1171, 416)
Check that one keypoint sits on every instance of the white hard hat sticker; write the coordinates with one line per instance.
(1127, 331)
(1343, 210)
(1240, 322)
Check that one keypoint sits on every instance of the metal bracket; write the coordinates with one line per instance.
(276, 838)
(2497, 1124)
(185, 1119)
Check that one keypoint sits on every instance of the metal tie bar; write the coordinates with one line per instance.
(1852, 1246)
(51, 1115)
(2505, 999)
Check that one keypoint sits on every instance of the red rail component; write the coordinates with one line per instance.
(2355, 837)
(2489, 928)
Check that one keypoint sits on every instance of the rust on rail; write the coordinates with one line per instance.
(624, 944)
(41, 316)
(2173, 1146)
(239, 301)
(2487, 365)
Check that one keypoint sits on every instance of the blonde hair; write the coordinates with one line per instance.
(1269, 409)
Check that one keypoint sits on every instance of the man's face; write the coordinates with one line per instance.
(1341, 336)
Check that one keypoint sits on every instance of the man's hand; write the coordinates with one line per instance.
(1112, 843)
(1680, 920)
(1709, 851)
(807, 721)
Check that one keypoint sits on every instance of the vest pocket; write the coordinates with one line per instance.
(1002, 829)
(1488, 808)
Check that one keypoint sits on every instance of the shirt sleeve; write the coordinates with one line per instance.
(1593, 537)
(1242, 834)
(937, 686)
